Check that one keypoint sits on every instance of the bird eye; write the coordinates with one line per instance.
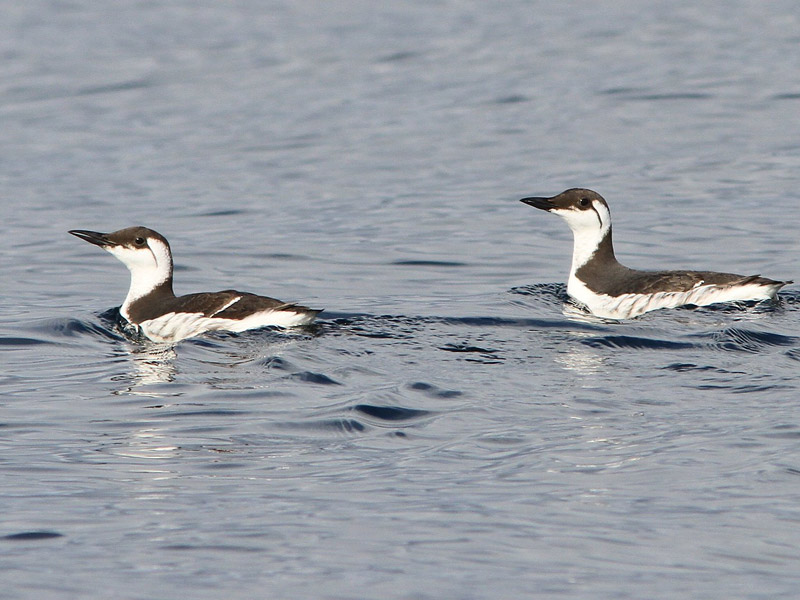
(139, 241)
(584, 202)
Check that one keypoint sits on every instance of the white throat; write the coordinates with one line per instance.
(150, 267)
(144, 281)
(589, 227)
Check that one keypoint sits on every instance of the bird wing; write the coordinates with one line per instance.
(683, 281)
(230, 304)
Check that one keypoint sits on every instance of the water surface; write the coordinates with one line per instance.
(446, 430)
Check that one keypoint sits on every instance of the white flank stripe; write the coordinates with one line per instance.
(228, 305)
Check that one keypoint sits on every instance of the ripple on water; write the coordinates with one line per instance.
(541, 296)
(748, 340)
(794, 353)
(54, 330)
(76, 327)
(635, 343)
(334, 426)
(474, 353)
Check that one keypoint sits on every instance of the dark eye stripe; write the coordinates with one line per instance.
(598, 215)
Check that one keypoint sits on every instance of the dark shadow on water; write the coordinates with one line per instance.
(483, 355)
(433, 391)
(390, 413)
(691, 367)
(31, 536)
(317, 378)
(21, 341)
(428, 263)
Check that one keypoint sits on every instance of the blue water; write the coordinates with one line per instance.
(446, 430)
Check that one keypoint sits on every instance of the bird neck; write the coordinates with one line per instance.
(594, 245)
(155, 281)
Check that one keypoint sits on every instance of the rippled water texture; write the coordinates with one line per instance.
(450, 428)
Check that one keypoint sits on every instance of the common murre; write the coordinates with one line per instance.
(153, 308)
(610, 290)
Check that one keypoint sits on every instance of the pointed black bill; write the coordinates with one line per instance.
(542, 203)
(93, 237)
